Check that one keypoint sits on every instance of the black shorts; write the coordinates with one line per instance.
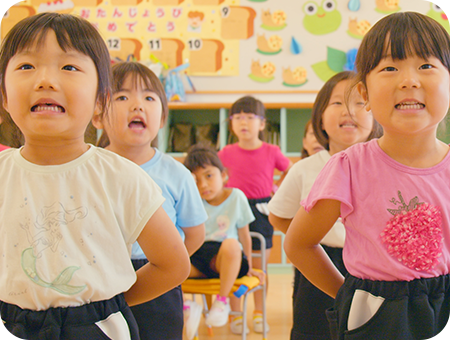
(202, 258)
(162, 317)
(417, 309)
(310, 304)
(70, 323)
(261, 224)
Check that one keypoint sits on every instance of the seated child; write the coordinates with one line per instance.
(226, 253)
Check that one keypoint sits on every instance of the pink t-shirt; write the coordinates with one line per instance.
(388, 210)
(3, 147)
(252, 170)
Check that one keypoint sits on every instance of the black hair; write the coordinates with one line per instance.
(402, 35)
(200, 155)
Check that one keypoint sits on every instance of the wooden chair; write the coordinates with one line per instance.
(242, 287)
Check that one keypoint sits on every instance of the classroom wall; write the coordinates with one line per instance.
(236, 39)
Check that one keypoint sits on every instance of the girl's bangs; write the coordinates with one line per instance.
(403, 43)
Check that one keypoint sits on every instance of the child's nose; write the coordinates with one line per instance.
(137, 105)
(409, 80)
(46, 80)
(345, 110)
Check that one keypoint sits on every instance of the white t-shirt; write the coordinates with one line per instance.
(296, 187)
(67, 229)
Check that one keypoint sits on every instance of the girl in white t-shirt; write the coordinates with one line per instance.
(338, 123)
(69, 211)
(392, 193)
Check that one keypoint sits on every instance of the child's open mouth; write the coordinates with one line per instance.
(47, 107)
(409, 106)
(137, 124)
(348, 124)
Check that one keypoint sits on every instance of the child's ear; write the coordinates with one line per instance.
(97, 121)
(4, 103)
(224, 175)
(263, 124)
(97, 118)
(365, 96)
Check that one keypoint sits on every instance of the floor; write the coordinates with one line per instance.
(279, 312)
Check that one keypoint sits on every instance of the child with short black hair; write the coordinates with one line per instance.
(227, 232)
(391, 193)
(73, 210)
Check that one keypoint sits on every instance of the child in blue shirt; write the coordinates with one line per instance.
(226, 253)
(139, 110)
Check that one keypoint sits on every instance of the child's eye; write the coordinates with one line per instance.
(70, 68)
(426, 66)
(336, 103)
(121, 98)
(25, 67)
(150, 99)
(389, 69)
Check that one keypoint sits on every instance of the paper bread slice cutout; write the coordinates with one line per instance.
(127, 46)
(208, 59)
(239, 24)
(171, 52)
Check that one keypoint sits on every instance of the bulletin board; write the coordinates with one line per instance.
(235, 45)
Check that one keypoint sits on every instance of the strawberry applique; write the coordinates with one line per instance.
(414, 234)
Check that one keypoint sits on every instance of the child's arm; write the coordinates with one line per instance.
(280, 223)
(168, 265)
(303, 249)
(194, 237)
(246, 241)
(283, 174)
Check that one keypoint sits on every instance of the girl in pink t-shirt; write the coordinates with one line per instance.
(392, 193)
(250, 164)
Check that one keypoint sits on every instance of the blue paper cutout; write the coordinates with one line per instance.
(351, 58)
(354, 5)
(296, 48)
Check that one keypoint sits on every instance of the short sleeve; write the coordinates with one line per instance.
(333, 182)
(142, 202)
(245, 216)
(281, 161)
(223, 155)
(286, 200)
(189, 207)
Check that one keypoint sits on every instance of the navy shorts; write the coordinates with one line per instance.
(202, 258)
(261, 223)
(162, 317)
(310, 303)
(414, 310)
(71, 323)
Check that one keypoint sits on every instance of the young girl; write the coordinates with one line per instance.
(337, 125)
(73, 211)
(391, 193)
(139, 109)
(310, 145)
(228, 217)
(250, 164)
